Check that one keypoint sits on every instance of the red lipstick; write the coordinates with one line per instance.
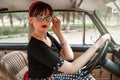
(44, 26)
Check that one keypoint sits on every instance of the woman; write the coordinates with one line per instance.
(45, 54)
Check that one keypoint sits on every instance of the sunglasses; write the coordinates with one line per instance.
(39, 18)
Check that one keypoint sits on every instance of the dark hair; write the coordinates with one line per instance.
(39, 7)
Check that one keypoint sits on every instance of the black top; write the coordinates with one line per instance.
(42, 59)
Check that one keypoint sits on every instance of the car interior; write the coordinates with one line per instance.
(83, 23)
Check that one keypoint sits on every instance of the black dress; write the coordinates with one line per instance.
(43, 60)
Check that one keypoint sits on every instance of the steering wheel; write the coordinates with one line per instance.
(98, 59)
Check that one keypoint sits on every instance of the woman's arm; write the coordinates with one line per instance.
(78, 63)
(66, 51)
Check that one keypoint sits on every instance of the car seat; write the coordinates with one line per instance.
(16, 63)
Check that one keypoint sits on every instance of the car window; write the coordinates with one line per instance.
(13, 27)
(76, 26)
(109, 14)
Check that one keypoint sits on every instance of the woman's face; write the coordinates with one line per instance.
(41, 22)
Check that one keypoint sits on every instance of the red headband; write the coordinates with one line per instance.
(33, 4)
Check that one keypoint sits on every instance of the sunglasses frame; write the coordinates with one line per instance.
(39, 18)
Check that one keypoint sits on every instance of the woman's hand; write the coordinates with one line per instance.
(102, 40)
(56, 25)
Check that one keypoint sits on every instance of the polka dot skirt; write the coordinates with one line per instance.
(76, 76)
(66, 76)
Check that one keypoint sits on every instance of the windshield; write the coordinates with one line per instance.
(109, 14)
(14, 27)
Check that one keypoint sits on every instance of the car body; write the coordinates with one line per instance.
(83, 22)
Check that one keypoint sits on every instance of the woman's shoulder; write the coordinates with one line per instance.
(33, 41)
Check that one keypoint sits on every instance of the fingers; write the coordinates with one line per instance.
(55, 19)
(56, 22)
(102, 40)
(107, 37)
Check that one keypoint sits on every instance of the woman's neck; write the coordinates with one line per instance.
(40, 35)
(43, 37)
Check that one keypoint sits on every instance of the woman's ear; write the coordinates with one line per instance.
(30, 20)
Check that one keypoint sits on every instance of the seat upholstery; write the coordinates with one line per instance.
(4, 75)
(14, 61)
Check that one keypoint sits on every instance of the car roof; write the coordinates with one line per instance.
(22, 5)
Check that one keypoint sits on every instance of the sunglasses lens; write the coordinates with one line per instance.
(40, 18)
(48, 18)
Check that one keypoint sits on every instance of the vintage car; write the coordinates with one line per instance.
(83, 23)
